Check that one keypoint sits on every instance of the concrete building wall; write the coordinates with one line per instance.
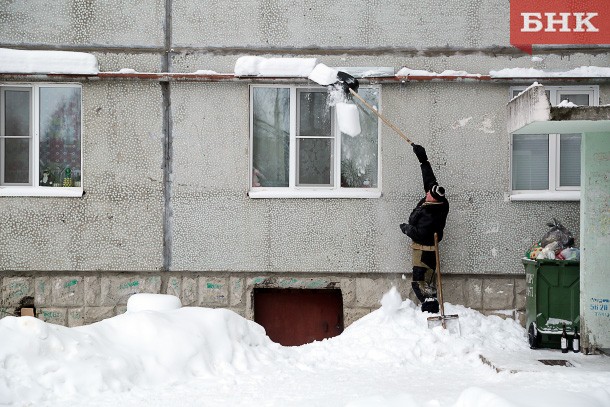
(190, 215)
(595, 216)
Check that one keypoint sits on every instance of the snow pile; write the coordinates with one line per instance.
(279, 67)
(153, 302)
(206, 72)
(583, 71)
(567, 103)
(41, 361)
(418, 72)
(47, 62)
(179, 357)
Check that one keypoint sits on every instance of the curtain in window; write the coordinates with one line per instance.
(271, 137)
(569, 156)
(15, 144)
(60, 135)
(530, 169)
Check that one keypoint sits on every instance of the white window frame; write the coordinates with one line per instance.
(555, 191)
(33, 189)
(295, 191)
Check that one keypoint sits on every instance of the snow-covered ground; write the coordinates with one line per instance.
(213, 357)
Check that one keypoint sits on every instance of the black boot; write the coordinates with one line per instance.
(415, 285)
(430, 305)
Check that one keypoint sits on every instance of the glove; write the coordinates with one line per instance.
(420, 152)
(404, 227)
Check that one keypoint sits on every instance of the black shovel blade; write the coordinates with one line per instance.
(348, 82)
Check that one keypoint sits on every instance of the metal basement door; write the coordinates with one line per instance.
(294, 317)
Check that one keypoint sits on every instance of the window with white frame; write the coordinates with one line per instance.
(548, 165)
(40, 140)
(297, 149)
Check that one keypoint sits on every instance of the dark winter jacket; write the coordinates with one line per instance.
(427, 217)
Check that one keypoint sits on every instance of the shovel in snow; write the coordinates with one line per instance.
(449, 322)
(350, 87)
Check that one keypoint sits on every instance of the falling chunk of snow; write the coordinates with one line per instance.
(153, 302)
(391, 301)
(461, 123)
(278, 67)
(47, 62)
(348, 118)
(323, 75)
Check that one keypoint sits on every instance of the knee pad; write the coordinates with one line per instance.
(419, 273)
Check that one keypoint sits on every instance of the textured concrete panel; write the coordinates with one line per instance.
(43, 290)
(213, 291)
(76, 317)
(348, 291)
(454, 290)
(58, 316)
(237, 290)
(95, 314)
(189, 291)
(349, 24)
(92, 291)
(118, 223)
(474, 293)
(498, 294)
(353, 314)
(116, 290)
(68, 291)
(111, 22)
(174, 286)
(370, 291)
(520, 296)
(15, 288)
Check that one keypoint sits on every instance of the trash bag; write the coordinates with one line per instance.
(558, 233)
(548, 252)
(570, 253)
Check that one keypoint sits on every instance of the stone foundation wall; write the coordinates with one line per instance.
(74, 299)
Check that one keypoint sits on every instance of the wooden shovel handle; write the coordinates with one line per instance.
(439, 283)
(386, 121)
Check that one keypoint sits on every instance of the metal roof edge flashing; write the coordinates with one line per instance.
(230, 77)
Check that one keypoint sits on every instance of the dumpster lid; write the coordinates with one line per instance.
(525, 260)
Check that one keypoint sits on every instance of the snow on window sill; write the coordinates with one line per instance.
(546, 196)
(314, 193)
(73, 192)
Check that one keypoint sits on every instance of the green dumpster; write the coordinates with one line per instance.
(552, 299)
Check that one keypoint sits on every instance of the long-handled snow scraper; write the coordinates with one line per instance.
(449, 322)
(350, 87)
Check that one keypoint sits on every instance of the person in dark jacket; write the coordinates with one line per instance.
(428, 217)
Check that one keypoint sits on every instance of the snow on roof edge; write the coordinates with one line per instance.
(16, 61)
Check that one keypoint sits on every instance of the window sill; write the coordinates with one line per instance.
(68, 192)
(314, 193)
(546, 196)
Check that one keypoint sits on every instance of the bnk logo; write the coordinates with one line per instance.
(559, 22)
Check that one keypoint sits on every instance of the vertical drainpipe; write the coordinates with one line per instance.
(167, 143)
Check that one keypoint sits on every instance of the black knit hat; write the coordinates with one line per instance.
(437, 192)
